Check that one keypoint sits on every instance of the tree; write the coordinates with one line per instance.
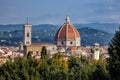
(44, 52)
(61, 66)
(79, 68)
(114, 60)
(101, 72)
(20, 69)
(53, 68)
(29, 55)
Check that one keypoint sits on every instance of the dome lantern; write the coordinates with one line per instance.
(67, 20)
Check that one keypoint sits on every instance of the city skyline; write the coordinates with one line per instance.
(54, 11)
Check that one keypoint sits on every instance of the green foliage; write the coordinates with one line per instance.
(84, 69)
(100, 73)
(29, 55)
(79, 68)
(43, 53)
(20, 69)
(58, 56)
(55, 68)
(114, 60)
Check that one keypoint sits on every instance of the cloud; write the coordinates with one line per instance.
(46, 11)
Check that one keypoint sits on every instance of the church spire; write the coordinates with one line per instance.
(27, 20)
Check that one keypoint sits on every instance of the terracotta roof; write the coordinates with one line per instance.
(88, 50)
(40, 44)
(67, 31)
(1, 51)
(35, 44)
(61, 47)
(3, 57)
(72, 48)
(81, 47)
(5, 49)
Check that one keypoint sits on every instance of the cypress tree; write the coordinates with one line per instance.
(44, 53)
(114, 60)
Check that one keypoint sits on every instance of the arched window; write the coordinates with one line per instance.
(27, 42)
(71, 42)
(62, 43)
(77, 42)
(28, 34)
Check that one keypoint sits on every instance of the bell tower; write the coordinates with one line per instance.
(96, 51)
(27, 34)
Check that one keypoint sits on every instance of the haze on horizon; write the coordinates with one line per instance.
(55, 11)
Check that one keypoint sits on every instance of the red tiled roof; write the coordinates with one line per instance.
(3, 57)
(40, 44)
(72, 48)
(81, 47)
(67, 31)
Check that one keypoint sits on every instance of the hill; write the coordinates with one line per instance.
(107, 27)
(88, 36)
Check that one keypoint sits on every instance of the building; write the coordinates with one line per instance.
(67, 35)
(96, 51)
(9, 53)
(27, 34)
(3, 59)
(67, 39)
(34, 48)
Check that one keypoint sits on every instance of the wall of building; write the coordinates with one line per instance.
(35, 50)
(68, 43)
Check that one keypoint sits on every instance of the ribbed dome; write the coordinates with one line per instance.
(67, 31)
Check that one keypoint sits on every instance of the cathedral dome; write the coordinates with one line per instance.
(67, 31)
(67, 35)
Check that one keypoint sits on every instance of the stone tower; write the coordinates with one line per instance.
(96, 51)
(27, 34)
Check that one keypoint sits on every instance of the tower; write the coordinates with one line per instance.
(27, 34)
(96, 51)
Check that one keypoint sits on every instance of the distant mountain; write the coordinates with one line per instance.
(107, 27)
(11, 27)
(88, 36)
(14, 27)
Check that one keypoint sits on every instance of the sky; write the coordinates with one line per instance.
(55, 11)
